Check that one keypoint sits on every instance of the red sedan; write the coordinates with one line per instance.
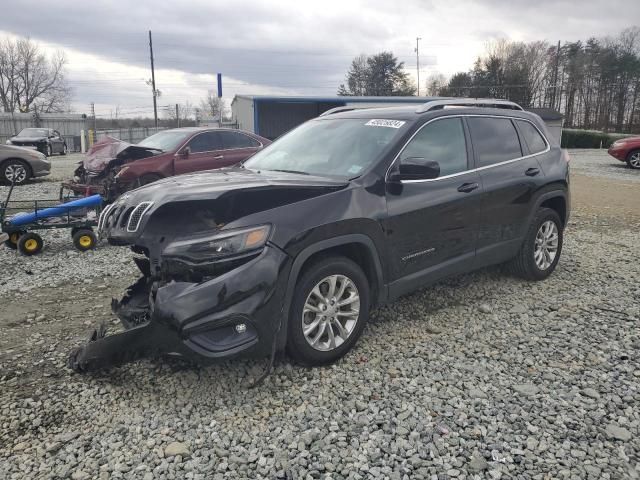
(112, 167)
(626, 150)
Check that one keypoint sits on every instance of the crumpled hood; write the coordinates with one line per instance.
(210, 184)
(108, 148)
(206, 200)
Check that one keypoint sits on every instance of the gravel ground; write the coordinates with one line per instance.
(597, 163)
(481, 376)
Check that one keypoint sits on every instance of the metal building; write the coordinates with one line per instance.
(271, 116)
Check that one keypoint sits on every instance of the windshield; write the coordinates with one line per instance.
(34, 132)
(342, 147)
(165, 141)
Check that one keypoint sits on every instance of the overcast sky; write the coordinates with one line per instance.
(283, 47)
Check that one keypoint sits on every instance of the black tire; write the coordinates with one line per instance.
(21, 167)
(84, 239)
(12, 243)
(49, 150)
(524, 264)
(633, 159)
(30, 244)
(149, 178)
(297, 345)
(64, 149)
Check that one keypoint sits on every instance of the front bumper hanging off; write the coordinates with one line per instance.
(237, 313)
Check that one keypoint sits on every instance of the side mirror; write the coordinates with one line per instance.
(185, 151)
(416, 168)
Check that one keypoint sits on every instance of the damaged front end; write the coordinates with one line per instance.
(209, 295)
(98, 172)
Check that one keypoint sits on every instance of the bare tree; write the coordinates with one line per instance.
(31, 81)
(435, 84)
(212, 105)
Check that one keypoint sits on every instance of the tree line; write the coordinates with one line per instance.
(595, 83)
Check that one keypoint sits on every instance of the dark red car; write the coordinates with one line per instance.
(626, 150)
(112, 167)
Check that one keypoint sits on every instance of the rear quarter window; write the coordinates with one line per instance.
(532, 137)
(494, 140)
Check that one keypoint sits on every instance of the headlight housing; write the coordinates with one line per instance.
(8, 142)
(220, 245)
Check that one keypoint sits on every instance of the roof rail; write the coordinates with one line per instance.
(468, 102)
(344, 108)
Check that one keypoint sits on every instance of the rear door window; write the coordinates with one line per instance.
(237, 140)
(442, 141)
(494, 140)
(205, 142)
(532, 137)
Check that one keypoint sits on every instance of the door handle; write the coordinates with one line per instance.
(468, 187)
(532, 172)
(218, 157)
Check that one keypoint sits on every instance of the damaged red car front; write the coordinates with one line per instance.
(98, 172)
(112, 167)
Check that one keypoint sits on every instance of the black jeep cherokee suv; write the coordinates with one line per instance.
(347, 211)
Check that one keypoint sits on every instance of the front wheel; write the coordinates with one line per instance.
(65, 150)
(633, 159)
(540, 251)
(16, 171)
(49, 150)
(30, 244)
(329, 310)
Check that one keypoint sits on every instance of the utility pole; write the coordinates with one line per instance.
(153, 82)
(555, 78)
(178, 115)
(418, 61)
(93, 115)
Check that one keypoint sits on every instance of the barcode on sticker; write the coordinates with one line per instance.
(377, 122)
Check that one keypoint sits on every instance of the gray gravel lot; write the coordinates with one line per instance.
(480, 376)
(597, 163)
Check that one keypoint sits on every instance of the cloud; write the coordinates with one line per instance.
(298, 47)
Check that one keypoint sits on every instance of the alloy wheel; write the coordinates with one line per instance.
(546, 245)
(15, 172)
(634, 160)
(331, 312)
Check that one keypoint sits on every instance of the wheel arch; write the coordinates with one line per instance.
(556, 201)
(357, 247)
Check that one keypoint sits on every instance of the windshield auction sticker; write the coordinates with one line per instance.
(376, 122)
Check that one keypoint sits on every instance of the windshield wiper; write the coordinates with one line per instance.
(289, 171)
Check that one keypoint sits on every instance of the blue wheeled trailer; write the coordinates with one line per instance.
(20, 218)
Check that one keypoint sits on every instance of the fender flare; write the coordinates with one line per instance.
(547, 196)
(306, 253)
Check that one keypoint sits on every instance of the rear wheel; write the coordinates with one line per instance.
(542, 246)
(84, 239)
(329, 310)
(15, 170)
(12, 243)
(633, 159)
(30, 244)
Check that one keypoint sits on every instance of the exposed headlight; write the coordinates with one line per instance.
(122, 171)
(222, 244)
